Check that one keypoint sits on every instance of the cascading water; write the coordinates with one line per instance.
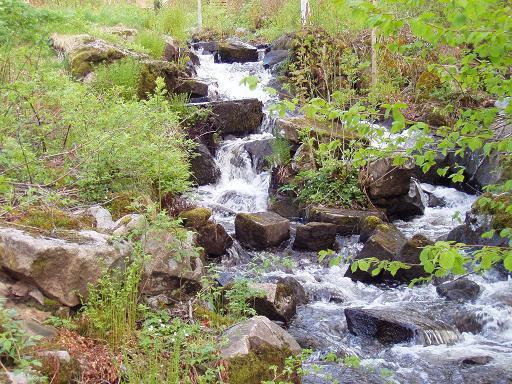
(484, 356)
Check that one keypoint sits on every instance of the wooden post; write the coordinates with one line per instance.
(374, 68)
(304, 11)
(199, 15)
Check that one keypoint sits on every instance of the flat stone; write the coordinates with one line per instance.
(262, 230)
(315, 236)
(348, 221)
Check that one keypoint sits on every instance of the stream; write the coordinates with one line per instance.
(321, 324)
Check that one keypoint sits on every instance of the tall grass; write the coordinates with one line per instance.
(151, 41)
(123, 75)
(176, 19)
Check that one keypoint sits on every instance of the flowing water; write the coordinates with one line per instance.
(484, 356)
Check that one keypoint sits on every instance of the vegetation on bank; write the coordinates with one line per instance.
(66, 144)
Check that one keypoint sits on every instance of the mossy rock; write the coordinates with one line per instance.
(368, 226)
(82, 60)
(427, 83)
(253, 368)
(153, 69)
(51, 219)
(197, 217)
(495, 206)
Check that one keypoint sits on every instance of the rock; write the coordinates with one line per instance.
(128, 223)
(174, 263)
(153, 69)
(459, 290)
(410, 254)
(405, 206)
(232, 117)
(207, 47)
(348, 221)
(367, 227)
(203, 166)
(102, 217)
(214, 239)
(261, 230)
(285, 206)
(192, 87)
(171, 49)
(303, 159)
(469, 321)
(275, 57)
(259, 151)
(83, 52)
(385, 244)
(233, 50)
(391, 326)
(283, 42)
(196, 217)
(386, 180)
(280, 300)
(253, 345)
(78, 261)
(477, 360)
(315, 236)
(290, 127)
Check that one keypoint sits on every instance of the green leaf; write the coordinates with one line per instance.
(446, 259)
(507, 262)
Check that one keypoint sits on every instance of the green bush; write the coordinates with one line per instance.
(123, 75)
(151, 41)
(175, 19)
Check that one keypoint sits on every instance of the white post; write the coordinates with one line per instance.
(374, 69)
(199, 15)
(304, 11)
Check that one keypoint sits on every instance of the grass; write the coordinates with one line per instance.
(151, 41)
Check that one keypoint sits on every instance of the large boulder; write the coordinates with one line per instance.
(280, 299)
(315, 236)
(234, 117)
(285, 206)
(410, 254)
(386, 180)
(262, 230)
(348, 221)
(274, 57)
(83, 52)
(192, 87)
(60, 268)
(391, 326)
(233, 50)
(405, 206)
(283, 42)
(259, 151)
(204, 168)
(252, 346)
(174, 263)
(459, 290)
(153, 69)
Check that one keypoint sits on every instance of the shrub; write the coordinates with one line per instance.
(152, 41)
(123, 75)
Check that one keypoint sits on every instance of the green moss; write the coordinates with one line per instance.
(51, 305)
(253, 368)
(495, 206)
(49, 219)
(197, 217)
(151, 70)
(213, 319)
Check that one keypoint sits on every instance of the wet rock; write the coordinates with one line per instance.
(405, 206)
(254, 345)
(459, 290)
(259, 151)
(387, 180)
(391, 326)
(174, 263)
(196, 217)
(192, 87)
(286, 206)
(274, 57)
(207, 47)
(367, 227)
(59, 268)
(233, 50)
(477, 360)
(280, 299)
(469, 321)
(385, 244)
(283, 42)
(214, 239)
(435, 201)
(261, 230)
(410, 254)
(204, 168)
(315, 236)
(290, 127)
(348, 221)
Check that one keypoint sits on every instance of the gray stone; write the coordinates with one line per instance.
(315, 236)
(391, 326)
(262, 230)
(233, 50)
(348, 221)
(386, 180)
(459, 290)
(274, 57)
(204, 168)
(102, 217)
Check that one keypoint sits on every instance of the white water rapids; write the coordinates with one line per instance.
(321, 324)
